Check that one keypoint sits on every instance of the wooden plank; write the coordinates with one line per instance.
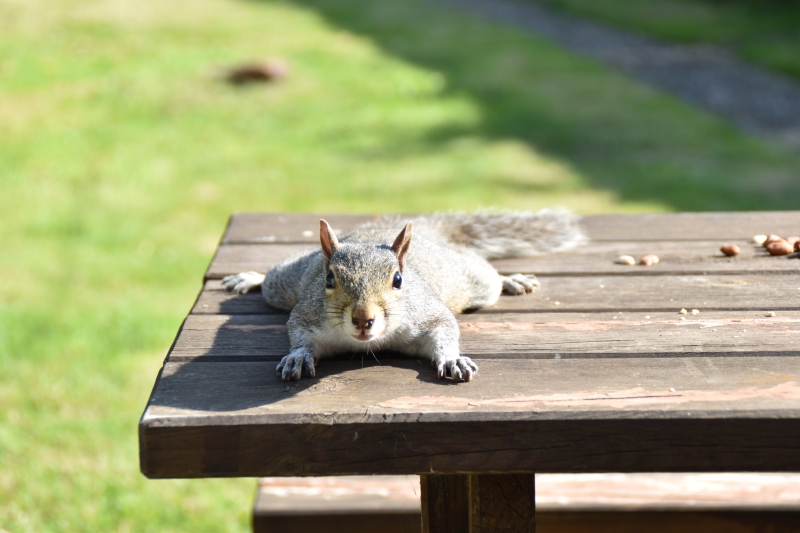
(595, 258)
(332, 494)
(223, 448)
(591, 293)
(692, 226)
(357, 504)
(191, 393)
(668, 492)
(250, 228)
(235, 258)
(554, 492)
(567, 415)
(527, 336)
(272, 227)
(687, 521)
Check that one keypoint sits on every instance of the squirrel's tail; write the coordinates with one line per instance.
(499, 234)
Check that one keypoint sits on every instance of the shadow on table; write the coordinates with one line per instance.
(238, 371)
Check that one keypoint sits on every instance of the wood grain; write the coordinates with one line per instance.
(283, 227)
(499, 503)
(595, 258)
(590, 293)
(408, 390)
(445, 503)
(527, 336)
(220, 448)
(490, 503)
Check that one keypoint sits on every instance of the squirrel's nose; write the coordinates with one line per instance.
(361, 321)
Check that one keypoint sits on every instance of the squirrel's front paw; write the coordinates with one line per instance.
(296, 364)
(460, 368)
(519, 284)
(242, 282)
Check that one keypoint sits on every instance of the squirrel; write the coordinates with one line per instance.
(377, 289)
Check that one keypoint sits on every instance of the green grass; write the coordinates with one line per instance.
(122, 155)
(765, 32)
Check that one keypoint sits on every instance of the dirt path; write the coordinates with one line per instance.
(757, 101)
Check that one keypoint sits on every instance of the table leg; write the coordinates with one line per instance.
(478, 503)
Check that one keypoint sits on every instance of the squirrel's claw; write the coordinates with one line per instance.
(460, 368)
(294, 365)
(519, 284)
(242, 282)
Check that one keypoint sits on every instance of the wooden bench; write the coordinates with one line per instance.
(565, 503)
(596, 373)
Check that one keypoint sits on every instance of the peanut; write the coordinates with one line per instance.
(625, 260)
(730, 250)
(780, 247)
(772, 238)
(649, 260)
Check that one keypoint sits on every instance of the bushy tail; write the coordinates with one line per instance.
(500, 234)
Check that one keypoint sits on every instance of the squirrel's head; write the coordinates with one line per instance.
(364, 284)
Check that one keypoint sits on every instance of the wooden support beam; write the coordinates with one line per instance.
(487, 503)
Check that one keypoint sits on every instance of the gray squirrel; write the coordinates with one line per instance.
(375, 289)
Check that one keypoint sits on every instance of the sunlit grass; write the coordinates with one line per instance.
(122, 156)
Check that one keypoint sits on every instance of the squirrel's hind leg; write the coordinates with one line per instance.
(243, 282)
(516, 284)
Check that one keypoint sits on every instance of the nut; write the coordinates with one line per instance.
(772, 238)
(759, 239)
(771, 314)
(649, 260)
(695, 312)
(730, 250)
(682, 311)
(625, 260)
(256, 72)
(797, 246)
(780, 247)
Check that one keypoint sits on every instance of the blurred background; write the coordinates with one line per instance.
(124, 148)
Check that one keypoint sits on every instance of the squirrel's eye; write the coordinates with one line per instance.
(397, 281)
(330, 281)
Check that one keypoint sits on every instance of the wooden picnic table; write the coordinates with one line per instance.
(597, 372)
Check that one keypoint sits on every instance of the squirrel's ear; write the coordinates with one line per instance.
(400, 246)
(328, 240)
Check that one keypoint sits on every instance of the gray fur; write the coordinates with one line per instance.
(445, 272)
(497, 234)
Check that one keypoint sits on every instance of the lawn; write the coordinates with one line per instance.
(122, 154)
(764, 32)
